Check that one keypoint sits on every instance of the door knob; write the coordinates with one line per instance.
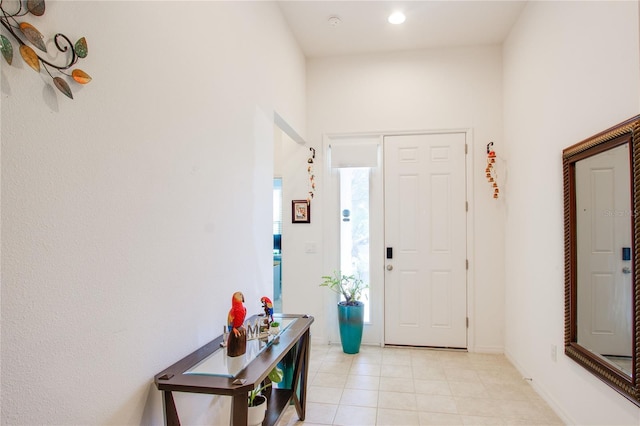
(626, 270)
(389, 267)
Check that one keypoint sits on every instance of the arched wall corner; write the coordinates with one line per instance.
(286, 128)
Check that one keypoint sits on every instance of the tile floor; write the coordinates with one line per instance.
(411, 386)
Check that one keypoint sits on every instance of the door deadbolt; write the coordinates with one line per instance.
(389, 267)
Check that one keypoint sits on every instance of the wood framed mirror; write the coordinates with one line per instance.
(602, 255)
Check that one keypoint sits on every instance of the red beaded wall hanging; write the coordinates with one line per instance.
(491, 171)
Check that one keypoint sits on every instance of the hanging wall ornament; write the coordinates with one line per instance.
(491, 171)
(312, 177)
(24, 32)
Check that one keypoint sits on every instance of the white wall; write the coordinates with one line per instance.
(407, 91)
(571, 69)
(132, 213)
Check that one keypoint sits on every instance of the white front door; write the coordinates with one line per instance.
(425, 235)
(603, 221)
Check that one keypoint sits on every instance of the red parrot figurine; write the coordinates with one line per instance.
(267, 305)
(237, 313)
(237, 341)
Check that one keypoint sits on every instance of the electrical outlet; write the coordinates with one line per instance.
(554, 353)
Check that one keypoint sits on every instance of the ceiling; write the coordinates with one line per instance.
(363, 26)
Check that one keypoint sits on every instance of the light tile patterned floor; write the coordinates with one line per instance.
(407, 386)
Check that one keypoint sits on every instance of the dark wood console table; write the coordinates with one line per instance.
(209, 371)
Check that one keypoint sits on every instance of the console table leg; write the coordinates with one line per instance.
(300, 376)
(305, 374)
(170, 411)
(239, 410)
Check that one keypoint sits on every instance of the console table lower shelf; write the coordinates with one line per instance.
(207, 370)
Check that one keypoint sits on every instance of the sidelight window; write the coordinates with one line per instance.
(355, 227)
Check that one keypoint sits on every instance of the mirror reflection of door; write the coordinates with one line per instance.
(604, 267)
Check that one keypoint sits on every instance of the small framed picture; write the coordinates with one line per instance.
(300, 211)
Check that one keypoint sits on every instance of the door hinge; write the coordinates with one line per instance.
(466, 206)
(467, 264)
(466, 148)
(467, 322)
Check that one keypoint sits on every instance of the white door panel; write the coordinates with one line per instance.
(425, 224)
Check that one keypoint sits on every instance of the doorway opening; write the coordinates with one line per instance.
(277, 245)
(427, 166)
(286, 145)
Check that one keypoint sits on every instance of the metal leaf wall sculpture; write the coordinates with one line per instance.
(24, 32)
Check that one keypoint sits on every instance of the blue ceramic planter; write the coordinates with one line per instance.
(351, 321)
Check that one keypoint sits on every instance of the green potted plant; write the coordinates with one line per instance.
(274, 327)
(350, 310)
(258, 402)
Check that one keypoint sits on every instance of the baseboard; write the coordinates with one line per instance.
(487, 349)
(541, 390)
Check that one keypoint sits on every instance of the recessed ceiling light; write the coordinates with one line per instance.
(396, 18)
